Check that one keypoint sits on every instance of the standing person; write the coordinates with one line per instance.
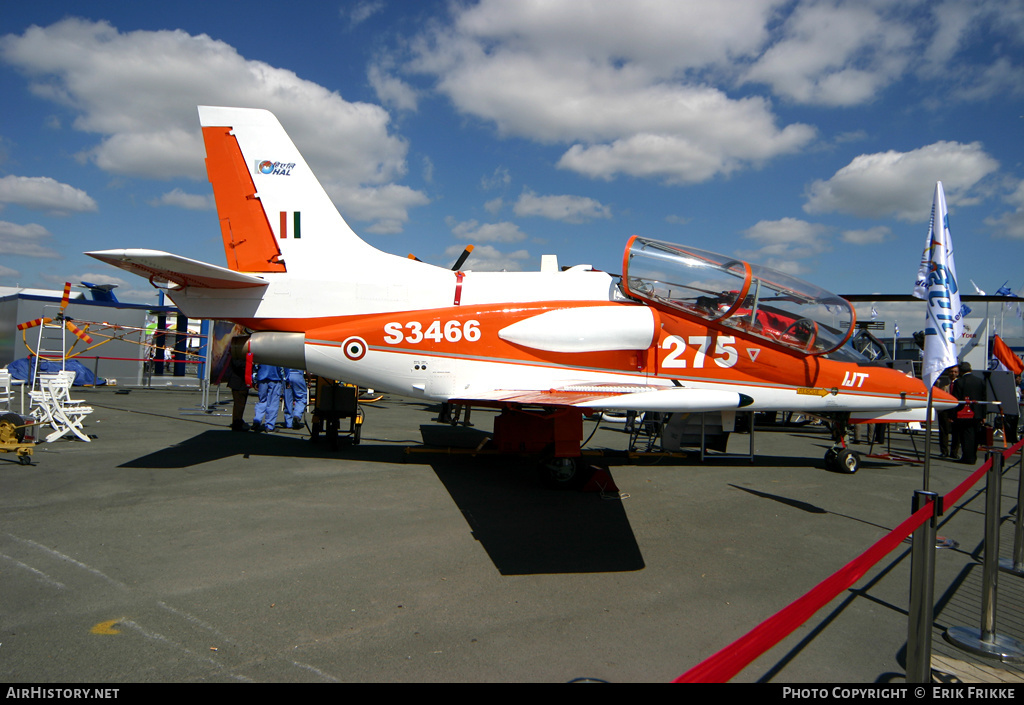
(1010, 421)
(947, 416)
(295, 395)
(269, 381)
(969, 388)
(239, 394)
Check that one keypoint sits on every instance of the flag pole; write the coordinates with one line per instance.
(928, 440)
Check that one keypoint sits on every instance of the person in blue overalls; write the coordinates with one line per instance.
(295, 395)
(269, 382)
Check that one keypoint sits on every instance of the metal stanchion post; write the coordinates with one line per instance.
(922, 593)
(1016, 564)
(986, 642)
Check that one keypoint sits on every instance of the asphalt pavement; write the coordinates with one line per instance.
(171, 549)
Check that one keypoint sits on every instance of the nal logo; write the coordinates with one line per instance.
(264, 166)
(854, 379)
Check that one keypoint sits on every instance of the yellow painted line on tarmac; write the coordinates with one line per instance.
(106, 627)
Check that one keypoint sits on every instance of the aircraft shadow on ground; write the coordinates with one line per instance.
(529, 529)
(214, 445)
(525, 527)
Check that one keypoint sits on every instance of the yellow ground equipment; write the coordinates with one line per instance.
(332, 402)
(12, 433)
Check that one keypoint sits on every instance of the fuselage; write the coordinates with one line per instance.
(318, 297)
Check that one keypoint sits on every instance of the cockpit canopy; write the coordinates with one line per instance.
(728, 292)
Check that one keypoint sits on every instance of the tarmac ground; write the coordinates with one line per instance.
(171, 549)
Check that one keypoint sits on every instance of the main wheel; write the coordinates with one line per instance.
(831, 463)
(562, 473)
(847, 461)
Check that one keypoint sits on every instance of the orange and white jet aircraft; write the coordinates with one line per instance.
(681, 330)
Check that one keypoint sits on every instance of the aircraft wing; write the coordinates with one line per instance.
(620, 397)
(176, 270)
(903, 416)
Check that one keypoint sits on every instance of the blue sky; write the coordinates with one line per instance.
(803, 135)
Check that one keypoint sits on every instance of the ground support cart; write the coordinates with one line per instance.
(332, 402)
(12, 435)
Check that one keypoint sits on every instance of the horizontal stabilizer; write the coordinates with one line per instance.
(178, 272)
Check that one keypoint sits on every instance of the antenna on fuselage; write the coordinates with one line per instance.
(462, 258)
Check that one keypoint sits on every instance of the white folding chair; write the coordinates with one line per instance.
(5, 390)
(68, 376)
(55, 407)
(38, 400)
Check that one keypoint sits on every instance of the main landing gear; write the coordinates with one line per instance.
(554, 435)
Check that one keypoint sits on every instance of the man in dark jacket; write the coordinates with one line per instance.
(970, 389)
(239, 394)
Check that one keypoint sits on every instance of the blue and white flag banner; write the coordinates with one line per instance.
(936, 284)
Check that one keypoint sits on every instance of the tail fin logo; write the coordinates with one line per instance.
(270, 168)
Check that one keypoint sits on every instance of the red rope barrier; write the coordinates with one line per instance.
(725, 664)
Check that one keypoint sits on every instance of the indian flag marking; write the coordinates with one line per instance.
(296, 225)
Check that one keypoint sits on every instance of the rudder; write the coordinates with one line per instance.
(275, 215)
(249, 242)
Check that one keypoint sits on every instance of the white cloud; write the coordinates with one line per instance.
(957, 29)
(901, 184)
(391, 90)
(42, 193)
(487, 258)
(568, 209)
(784, 242)
(475, 232)
(675, 91)
(836, 54)
(188, 201)
(388, 205)
(362, 11)
(25, 240)
(500, 179)
(1011, 223)
(621, 83)
(138, 92)
(871, 236)
(664, 34)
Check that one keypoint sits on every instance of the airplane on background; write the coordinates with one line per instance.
(681, 330)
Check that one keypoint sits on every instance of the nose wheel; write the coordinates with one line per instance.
(839, 459)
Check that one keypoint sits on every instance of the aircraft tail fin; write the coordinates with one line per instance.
(275, 216)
